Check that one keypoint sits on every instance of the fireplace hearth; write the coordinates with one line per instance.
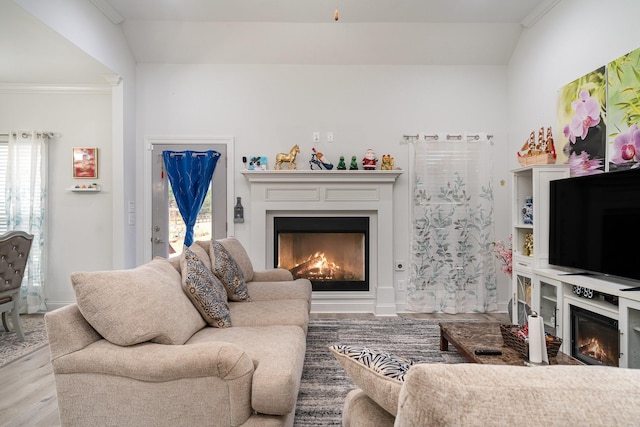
(594, 337)
(332, 252)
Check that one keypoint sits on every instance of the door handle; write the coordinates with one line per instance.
(157, 240)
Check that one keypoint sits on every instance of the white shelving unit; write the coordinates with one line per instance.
(532, 181)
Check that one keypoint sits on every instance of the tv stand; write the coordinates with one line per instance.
(553, 295)
(578, 273)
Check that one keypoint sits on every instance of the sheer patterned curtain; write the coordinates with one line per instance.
(25, 208)
(452, 268)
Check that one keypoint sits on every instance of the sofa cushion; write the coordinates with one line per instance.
(359, 410)
(136, 305)
(205, 291)
(377, 373)
(270, 313)
(278, 354)
(225, 267)
(239, 254)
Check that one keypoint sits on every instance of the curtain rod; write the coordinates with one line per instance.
(450, 137)
(26, 134)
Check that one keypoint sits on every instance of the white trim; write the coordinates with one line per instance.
(174, 140)
(7, 88)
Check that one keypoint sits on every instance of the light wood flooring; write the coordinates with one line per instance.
(28, 396)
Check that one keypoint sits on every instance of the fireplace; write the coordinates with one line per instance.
(594, 337)
(332, 252)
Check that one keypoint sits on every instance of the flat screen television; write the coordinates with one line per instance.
(594, 222)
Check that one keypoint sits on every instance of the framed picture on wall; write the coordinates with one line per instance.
(85, 162)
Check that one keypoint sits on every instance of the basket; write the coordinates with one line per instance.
(519, 344)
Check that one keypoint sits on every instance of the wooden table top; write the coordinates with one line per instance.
(466, 337)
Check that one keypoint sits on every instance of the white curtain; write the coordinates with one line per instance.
(25, 203)
(452, 268)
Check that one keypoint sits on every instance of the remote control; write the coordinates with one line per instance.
(487, 352)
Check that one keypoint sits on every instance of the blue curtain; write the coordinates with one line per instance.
(190, 173)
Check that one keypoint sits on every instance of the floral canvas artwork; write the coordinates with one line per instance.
(582, 116)
(623, 110)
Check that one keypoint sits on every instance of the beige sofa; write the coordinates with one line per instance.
(469, 394)
(134, 351)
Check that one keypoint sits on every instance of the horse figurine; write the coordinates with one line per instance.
(287, 158)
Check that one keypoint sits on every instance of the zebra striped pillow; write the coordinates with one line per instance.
(379, 374)
(383, 363)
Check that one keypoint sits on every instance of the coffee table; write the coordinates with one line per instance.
(466, 337)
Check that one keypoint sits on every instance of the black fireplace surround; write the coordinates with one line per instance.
(332, 252)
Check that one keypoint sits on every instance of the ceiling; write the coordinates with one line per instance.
(32, 53)
(369, 32)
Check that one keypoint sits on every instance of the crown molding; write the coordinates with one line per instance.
(51, 88)
(108, 11)
(537, 13)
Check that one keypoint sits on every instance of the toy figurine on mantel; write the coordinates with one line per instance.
(317, 158)
(387, 162)
(370, 160)
(354, 164)
(341, 164)
(287, 158)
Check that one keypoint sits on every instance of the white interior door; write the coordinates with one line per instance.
(167, 226)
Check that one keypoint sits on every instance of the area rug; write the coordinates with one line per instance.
(325, 384)
(11, 348)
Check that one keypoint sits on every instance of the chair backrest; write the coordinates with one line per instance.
(14, 252)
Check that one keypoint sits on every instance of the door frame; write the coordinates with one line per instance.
(147, 179)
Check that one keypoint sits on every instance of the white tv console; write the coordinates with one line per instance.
(552, 292)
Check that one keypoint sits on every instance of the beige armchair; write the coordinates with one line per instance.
(14, 252)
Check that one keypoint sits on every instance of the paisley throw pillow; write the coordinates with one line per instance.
(228, 271)
(205, 291)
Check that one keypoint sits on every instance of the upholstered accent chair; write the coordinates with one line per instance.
(14, 252)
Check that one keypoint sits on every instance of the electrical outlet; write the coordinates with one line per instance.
(401, 285)
(316, 137)
(329, 136)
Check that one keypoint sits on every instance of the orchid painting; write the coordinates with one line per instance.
(581, 115)
(623, 104)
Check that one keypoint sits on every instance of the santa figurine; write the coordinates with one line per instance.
(370, 160)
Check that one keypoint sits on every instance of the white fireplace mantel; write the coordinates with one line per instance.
(330, 193)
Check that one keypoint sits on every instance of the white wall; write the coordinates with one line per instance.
(269, 108)
(85, 26)
(575, 38)
(79, 223)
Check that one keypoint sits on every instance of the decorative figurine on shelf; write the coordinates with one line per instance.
(341, 164)
(354, 164)
(387, 162)
(317, 158)
(287, 158)
(527, 248)
(370, 160)
(527, 211)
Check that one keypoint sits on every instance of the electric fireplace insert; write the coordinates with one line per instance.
(594, 337)
(332, 252)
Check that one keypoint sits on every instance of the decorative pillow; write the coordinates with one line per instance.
(205, 291)
(142, 304)
(237, 251)
(225, 267)
(380, 375)
(201, 253)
